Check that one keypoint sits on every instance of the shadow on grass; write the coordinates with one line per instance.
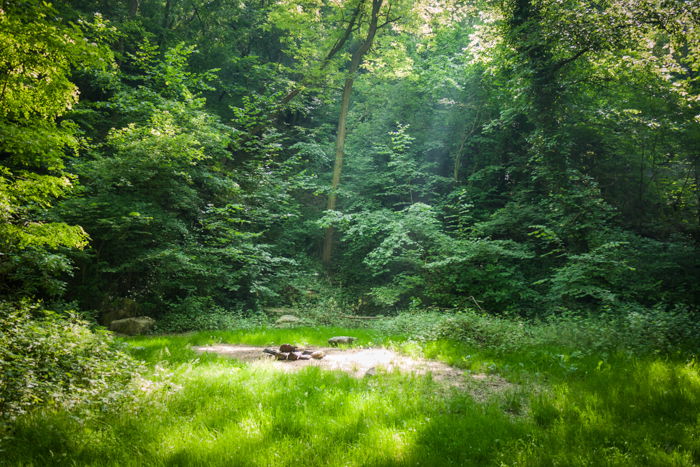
(614, 411)
(228, 415)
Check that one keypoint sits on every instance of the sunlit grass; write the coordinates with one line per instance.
(568, 408)
(177, 347)
(644, 413)
(227, 415)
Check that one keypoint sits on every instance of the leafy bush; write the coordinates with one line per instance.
(470, 327)
(481, 269)
(637, 330)
(47, 359)
(201, 314)
(629, 328)
(173, 207)
(591, 278)
(626, 271)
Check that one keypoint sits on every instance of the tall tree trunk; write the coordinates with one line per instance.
(166, 14)
(357, 56)
(465, 137)
(166, 22)
(133, 8)
(697, 196)
(326, 254)
(534, 50)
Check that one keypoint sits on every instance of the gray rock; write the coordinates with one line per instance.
(132, 326)
(287, 320)
(334, 341)
(318, 355)
(115, 308)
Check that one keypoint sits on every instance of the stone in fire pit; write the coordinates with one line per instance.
(293, 353)
(334, 341)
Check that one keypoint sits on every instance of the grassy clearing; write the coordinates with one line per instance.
(567, 408)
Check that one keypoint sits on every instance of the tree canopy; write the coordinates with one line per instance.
(530, 157)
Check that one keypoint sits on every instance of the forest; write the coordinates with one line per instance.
(504, 192)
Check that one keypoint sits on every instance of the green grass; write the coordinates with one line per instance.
(154, 348)
(566, 408)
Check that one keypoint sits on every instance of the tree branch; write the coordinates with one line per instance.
(389, 21)
(339, 44)
(561, 63)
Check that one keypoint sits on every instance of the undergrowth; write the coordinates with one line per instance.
(653, 331)
(51, 359)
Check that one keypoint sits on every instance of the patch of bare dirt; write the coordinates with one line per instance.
(364, 362)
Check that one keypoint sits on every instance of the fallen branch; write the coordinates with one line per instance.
(361, 317)
(476, 302)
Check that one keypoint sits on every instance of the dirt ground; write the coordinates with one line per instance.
(365, 362)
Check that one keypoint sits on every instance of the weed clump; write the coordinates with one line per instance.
(49, 359)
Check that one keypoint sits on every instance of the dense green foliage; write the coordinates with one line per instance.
(531, 160)
(38, 56)
(163, 205)
(57, 361)
(491, 160)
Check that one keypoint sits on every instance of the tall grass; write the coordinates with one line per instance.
(654, 331)
(566, 407)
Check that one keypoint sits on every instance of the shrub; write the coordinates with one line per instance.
(51, 359)
(630, 329)
(627, 328)
(478, 329)
(201, 314)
